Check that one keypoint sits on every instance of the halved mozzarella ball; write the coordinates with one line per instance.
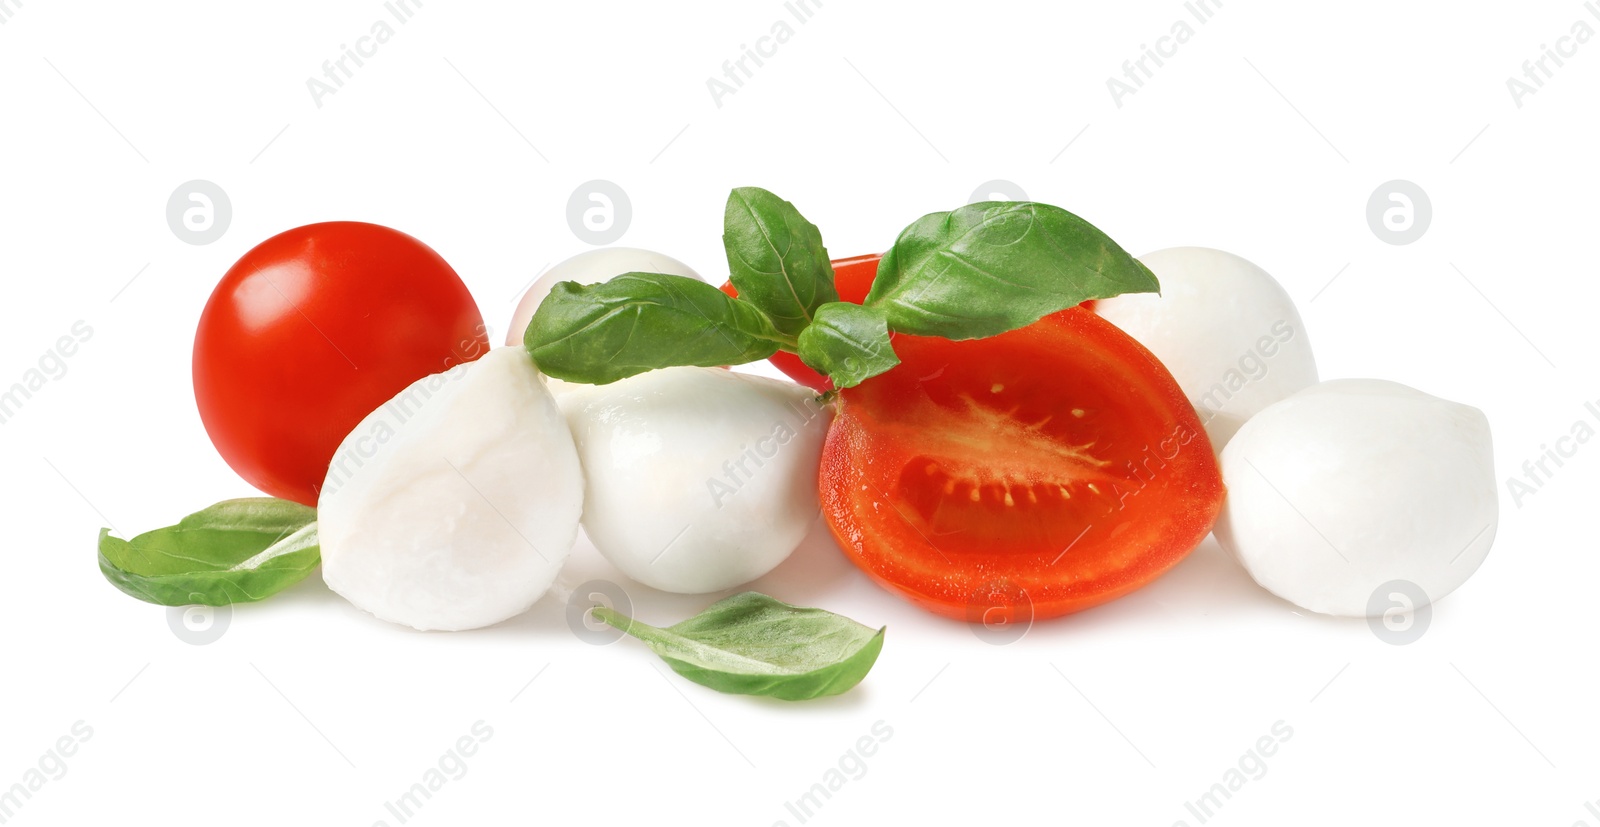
(699, 479)
(455, 504)
(1354, 484)
(1225, 329)
(591, 267)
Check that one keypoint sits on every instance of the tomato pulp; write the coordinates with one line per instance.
(312, 330)
(1029, 475)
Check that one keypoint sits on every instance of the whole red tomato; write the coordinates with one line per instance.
(312, 330)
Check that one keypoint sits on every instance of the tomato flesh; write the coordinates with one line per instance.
(1028, 475)
(312, 330)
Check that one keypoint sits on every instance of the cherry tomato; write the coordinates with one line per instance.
(312, 330)
(1032, 474)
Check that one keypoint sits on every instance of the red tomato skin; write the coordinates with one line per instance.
(1159, 524)
(853, 276)
(311, 331)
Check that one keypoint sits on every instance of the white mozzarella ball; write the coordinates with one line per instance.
(1353, 484)
(591, 267)
(1225, 329)
(455, 504)
(699, 479)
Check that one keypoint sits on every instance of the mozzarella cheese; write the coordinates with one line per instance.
(699, 479)
(1355, 483)
(455, 504)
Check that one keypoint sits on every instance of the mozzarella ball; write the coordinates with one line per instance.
(699, 479)
(1354, 483)
(1225, 329)
(454, 505)
(591, 267)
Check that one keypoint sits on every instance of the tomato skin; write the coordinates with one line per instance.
(1030, 475)
(312, 330)
(853, 276)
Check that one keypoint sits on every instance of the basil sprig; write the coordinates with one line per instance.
(636, 322)
(970, 273)
(752, 644)
(776, 258)
(848, 343)
(996, 266)
(236, 551)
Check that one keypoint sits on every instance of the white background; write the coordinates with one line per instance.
(1264, 135)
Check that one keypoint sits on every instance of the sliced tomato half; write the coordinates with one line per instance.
(1028, 475)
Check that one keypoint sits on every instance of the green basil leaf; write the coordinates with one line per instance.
(848, 343)
(236, 551)
(637, 322)
(751, 644)
(776, 259)
(996, 266)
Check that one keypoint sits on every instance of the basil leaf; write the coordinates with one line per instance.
(637, 322)
(997, 266)
(776, 259)
(848, 343)
(236, 551)
(751, 644)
